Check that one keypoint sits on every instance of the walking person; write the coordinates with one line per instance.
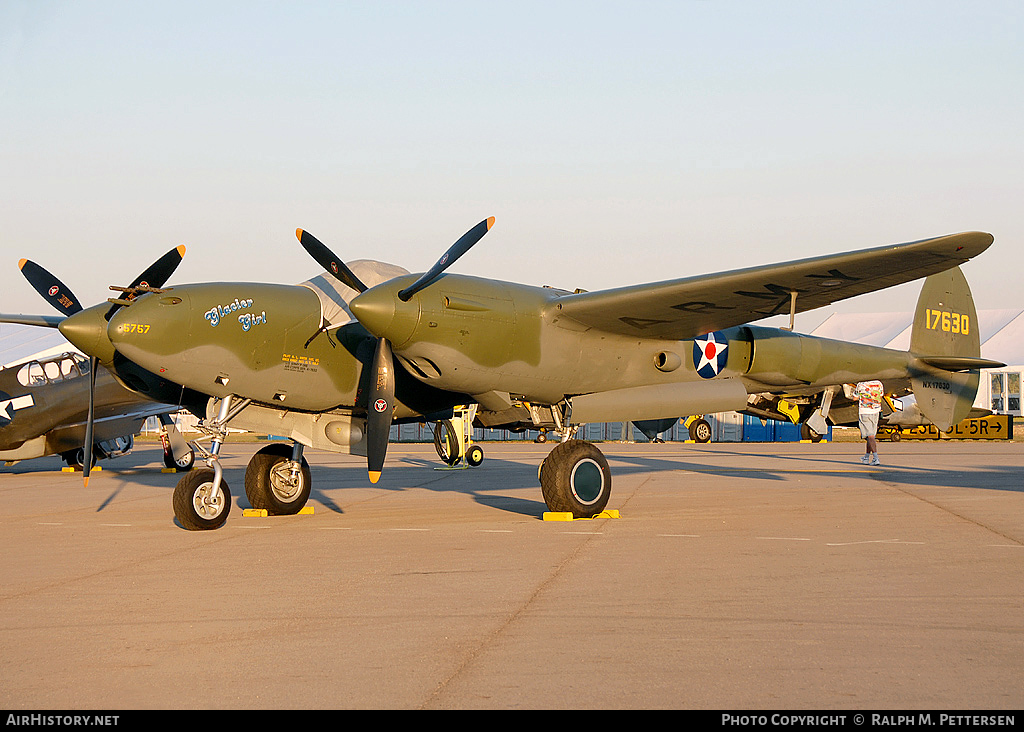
(869, 406)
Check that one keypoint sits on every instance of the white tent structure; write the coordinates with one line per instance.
(19, 343)
(1002, 339)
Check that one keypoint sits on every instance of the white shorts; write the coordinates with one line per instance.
(868, 424)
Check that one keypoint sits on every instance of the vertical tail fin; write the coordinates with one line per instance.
(946, 342)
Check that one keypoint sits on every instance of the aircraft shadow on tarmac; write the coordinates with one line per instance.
(489, 484)
(493, 483)
(407, 473)
(988, 477)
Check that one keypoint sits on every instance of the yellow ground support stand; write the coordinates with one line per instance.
(453, 440)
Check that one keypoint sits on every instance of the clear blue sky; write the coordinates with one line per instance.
(615, 143)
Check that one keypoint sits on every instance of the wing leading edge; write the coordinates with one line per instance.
(692, 306)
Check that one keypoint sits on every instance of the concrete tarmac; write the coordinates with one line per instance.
(739, 576)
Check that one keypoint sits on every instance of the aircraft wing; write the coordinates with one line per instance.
(45, 321)
(107, 427)
(692, 306)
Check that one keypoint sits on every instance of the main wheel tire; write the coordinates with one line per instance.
(271, 485)
(700, 430)
(446, 442)
(76, 458)
(806, 433)
(195, 507)
(575, 478)
(474, 455)
(184, 464)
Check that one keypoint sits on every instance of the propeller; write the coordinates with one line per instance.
(455, 251)
(380, 400)
(381, 395)
(57, 294)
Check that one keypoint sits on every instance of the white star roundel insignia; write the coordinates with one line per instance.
(709, 354)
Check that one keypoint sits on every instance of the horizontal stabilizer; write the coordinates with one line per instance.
(960, 363)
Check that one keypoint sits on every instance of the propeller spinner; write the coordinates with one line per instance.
(381, 396)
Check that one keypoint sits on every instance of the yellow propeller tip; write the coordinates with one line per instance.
(21, 263)
(374, 476)
(86, 481)
(490, 223)
(298, 234)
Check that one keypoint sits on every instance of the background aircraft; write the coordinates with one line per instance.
(44, 406)
(333, 366)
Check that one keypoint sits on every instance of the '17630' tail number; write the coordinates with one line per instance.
(947, 321)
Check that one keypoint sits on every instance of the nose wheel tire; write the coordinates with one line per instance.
(276, 483)
(575, 478)
(196, 506)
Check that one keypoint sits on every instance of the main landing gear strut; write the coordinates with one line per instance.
(277, 478)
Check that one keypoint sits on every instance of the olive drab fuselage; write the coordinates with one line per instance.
(478, 335)
(263, 341)
(260, 340)
(463, 335)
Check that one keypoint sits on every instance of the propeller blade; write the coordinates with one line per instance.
(161, 270)
(380, 408)
(326, 259)
(87, 451)
(456, 250)
(155, 275)
(53, 290)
